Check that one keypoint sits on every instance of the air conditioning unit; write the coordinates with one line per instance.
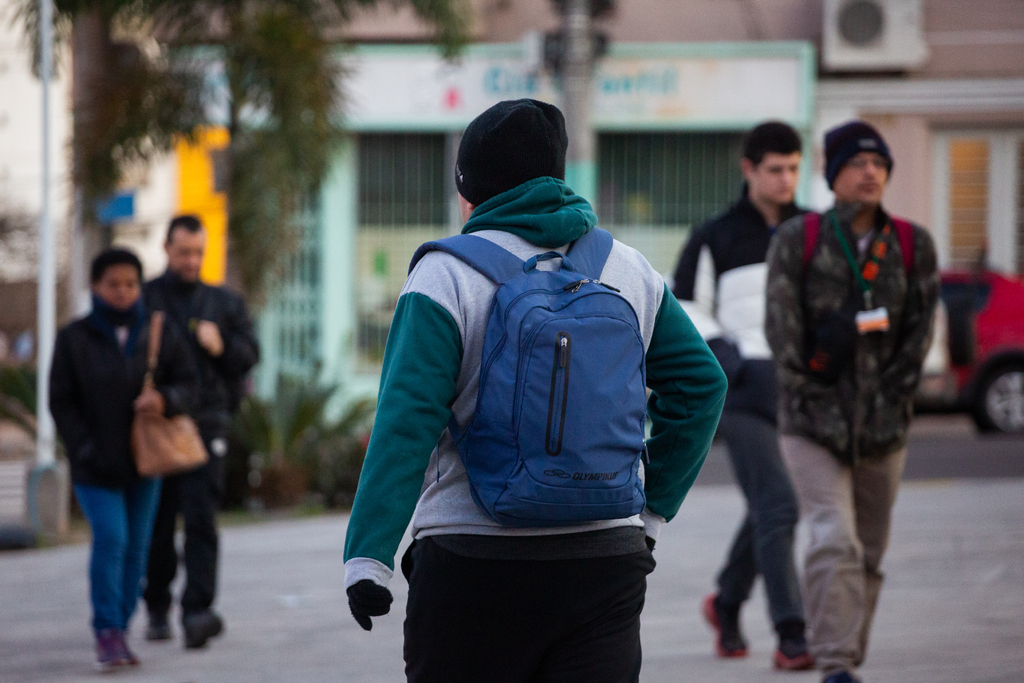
(873, 35)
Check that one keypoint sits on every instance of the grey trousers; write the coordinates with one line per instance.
(848, 511)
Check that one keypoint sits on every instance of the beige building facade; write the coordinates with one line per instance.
(942, 79)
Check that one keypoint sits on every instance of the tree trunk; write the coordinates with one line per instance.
(89, 43)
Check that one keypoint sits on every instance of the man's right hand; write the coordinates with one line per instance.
(209, 337)
(367, 599)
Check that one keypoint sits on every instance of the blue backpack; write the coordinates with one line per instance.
(559, 426)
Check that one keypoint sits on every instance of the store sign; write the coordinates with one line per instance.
(419, 90)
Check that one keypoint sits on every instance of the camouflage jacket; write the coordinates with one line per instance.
(867, 411)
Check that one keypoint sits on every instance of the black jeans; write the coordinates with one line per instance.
(523, 621)
(764, 542)
(195, 496)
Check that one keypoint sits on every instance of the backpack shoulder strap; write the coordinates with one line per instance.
(905, 233)
(484, 256)
(812, 226)
(590, 252)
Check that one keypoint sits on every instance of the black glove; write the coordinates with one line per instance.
(366, 599)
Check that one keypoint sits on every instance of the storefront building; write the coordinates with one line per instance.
(669, 120)
(942, 79)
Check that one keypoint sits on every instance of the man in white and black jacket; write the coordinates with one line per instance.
(721, 279)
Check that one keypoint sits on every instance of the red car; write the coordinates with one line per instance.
(976, 361)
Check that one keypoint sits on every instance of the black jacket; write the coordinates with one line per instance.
(92, 387)
(221, 379)
(736, 238)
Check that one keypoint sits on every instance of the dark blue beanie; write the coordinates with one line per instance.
(844, 142)
(512, 142)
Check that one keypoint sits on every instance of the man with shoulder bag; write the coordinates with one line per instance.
(223, 348)
(850, 303)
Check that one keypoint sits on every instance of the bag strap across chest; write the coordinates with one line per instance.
(904, 232)
(156, 330)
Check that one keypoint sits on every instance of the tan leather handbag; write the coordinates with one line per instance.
(164, 445)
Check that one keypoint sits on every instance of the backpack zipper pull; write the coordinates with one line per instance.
(563, 354)
(575, 286)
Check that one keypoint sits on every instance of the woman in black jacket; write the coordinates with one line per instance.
(99, 363)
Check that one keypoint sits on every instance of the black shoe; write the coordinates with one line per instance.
(159, 628)
(200, 627)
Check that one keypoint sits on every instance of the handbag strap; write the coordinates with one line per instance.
(156, 328)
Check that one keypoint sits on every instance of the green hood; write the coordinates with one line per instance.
(543, 211)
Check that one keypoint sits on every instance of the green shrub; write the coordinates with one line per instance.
(296, 449)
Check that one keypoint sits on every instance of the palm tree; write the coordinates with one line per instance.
(295, 446)
(135, 91)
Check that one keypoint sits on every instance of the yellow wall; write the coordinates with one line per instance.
(196, 196)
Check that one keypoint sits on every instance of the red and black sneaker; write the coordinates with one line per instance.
(725, 620)
(792, 656)
(792, 653)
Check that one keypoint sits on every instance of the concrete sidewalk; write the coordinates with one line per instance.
(952, 610)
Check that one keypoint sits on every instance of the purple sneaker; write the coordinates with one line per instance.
(108, 649)
(124, 654)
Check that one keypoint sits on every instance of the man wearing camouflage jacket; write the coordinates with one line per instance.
(848, 346)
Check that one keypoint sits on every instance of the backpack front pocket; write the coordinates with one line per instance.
(559, 394)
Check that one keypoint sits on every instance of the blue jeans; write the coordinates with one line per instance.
(122, 523)
(764, 542)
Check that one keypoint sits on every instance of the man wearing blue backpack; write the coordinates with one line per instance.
(510, 428)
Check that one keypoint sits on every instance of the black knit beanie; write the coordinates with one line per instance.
(844, 142)
(510, 143)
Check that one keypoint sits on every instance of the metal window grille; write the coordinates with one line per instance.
(968, 200)
(401, 204)
(652, 187)
(296, 300)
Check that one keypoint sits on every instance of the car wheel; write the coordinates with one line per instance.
(1000, 402)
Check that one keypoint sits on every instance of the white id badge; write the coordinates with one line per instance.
(876, 320)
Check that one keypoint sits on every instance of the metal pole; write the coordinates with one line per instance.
(47, 304)
(580, 173)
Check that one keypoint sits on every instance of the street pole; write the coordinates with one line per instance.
(47, 304)
(580, 172)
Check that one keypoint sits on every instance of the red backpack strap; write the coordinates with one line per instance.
(812, 226)
(905, 233)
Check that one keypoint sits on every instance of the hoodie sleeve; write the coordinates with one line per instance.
(417, 387)
(784, 317)
(66, 399)
(688, 273)
(903, 373)
(687, 395)
(241, 348)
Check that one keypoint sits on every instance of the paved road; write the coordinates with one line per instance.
(952, 610)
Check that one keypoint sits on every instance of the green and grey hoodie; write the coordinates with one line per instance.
(431, 372)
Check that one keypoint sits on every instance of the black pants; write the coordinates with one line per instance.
(764, 542)
(523, 621)
(195, 496)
